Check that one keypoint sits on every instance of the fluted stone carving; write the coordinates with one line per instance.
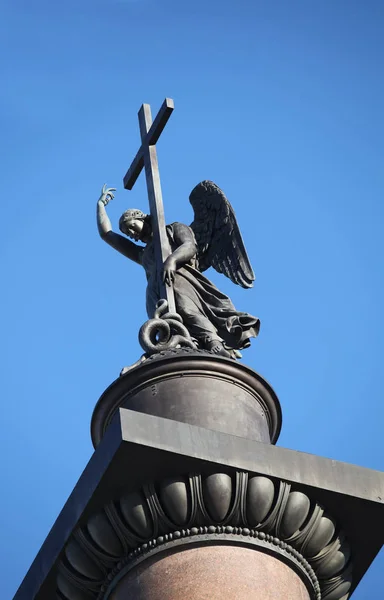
(244, 509)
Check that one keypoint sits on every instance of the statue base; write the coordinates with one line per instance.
(195, 387)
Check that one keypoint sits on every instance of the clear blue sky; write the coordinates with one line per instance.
(280, 102)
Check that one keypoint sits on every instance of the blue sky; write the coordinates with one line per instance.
(281, 104)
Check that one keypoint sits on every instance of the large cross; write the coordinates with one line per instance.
(147, 157)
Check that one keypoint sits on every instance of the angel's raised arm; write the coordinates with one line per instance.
(117, 241)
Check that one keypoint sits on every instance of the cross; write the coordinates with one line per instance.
(147, 157)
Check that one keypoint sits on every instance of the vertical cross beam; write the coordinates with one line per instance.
(147, 158)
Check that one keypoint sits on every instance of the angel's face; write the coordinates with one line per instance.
(137, 229)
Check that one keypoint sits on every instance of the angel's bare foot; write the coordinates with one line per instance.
(217, 347)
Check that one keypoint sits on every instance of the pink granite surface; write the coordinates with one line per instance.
(209, 573)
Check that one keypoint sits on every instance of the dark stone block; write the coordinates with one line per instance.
(198, 388)
(140, 448)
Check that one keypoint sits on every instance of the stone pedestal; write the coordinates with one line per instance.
(187, 497)
(198, 388)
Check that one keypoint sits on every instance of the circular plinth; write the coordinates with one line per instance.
(198, 388)
(212, 572)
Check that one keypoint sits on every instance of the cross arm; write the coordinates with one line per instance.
(150, 139)
(134, 170)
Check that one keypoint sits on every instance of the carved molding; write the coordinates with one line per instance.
(248, 509)
(199, 536)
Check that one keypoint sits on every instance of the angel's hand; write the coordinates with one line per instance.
(169, 270)
(106, 195)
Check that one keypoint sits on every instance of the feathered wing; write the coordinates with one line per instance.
(218, 236)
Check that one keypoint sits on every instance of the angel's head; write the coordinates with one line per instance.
(136, 225)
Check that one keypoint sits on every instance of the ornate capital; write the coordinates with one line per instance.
(255, 511)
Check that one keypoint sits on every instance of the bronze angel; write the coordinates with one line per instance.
(212, 239)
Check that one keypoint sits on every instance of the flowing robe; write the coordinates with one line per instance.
(206, 312)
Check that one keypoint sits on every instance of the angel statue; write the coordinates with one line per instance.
(213, 239)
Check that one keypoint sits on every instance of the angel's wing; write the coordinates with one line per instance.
(218, 236)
